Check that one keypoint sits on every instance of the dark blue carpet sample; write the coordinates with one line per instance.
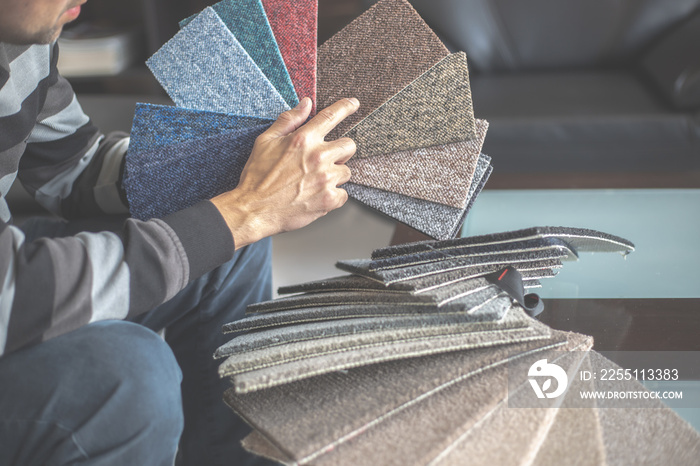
(162, 125)
(170, 178)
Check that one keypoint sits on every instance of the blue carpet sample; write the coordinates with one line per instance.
(169, 178)
(247, 21)
(161, 125)
(436, 220)
(204, 67)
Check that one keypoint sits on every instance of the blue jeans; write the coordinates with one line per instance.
(115, 393)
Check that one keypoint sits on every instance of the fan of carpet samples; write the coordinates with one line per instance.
(422, 355)
(235, 66)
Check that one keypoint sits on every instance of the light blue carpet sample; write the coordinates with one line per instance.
(247, 20)
(161, 125)
(169, 178)
(204, 67)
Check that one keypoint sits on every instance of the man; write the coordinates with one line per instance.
(78, 382)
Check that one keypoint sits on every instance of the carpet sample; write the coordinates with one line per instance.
(432, 422)
(361, 267)
(341, 283)
(441, 174)
(660, 435)
(257, 444)
(204, 67)
(247, 21)
(435, 220)
(383, 335)
(579, 239)
(442, 254)
(357, 355)
(170, 178)
(434, 109)
(161, 125)
(377, 55)
(290, 416)
(295, 26)
(310, 331)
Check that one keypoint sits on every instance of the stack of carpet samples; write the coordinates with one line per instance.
(426, 354)
(234, 67)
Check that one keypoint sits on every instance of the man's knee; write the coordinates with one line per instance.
(114, 387)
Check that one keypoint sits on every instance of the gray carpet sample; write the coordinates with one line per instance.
(435, 220)
(308, 417)
(347, 352)
(335, 328)
(361, 267)
(579, 239)
(442, 254)
(434, 109)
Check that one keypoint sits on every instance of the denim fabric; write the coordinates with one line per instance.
(379, 53)
(204, 67)
(441, 174)
(435, 220)
(441, 253)
(351, 402)
(170, 178)
(162, 125)
(295, 26)
(578, 239)
(247, 21)
(375, 325)
(436, 108)
(107, 393)
(466, 264)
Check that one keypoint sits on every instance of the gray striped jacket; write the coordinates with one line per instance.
(50, 286)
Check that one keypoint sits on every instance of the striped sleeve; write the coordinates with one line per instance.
(51, 286)
(68, 165)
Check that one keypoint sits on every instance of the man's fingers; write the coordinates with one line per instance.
(340, 150)
(289, 121)
(328, 118)
(343, 174)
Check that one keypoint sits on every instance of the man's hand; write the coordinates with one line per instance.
(292, 175)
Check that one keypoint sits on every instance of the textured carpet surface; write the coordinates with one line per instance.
(308, 417)
(441, 174)
(247, 21)
(204, 67)
(385, 335)
(436, 220)
(161, 125)
(374, 57)
(434, 421)
(579, 239)
(361, 267)
(295, 27)
(434, 109)
(360, 356)
(169, 178)
(331, 328)
(438, 255)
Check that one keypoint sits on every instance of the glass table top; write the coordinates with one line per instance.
(664, 225)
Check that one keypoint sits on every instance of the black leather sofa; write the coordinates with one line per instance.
(574, 86)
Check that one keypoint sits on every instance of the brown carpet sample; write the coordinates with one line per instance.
(510, 435)
(417, 434)
(374, 57)
(307, 417)
(650, 434)
(439, 174)
(434, 109)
